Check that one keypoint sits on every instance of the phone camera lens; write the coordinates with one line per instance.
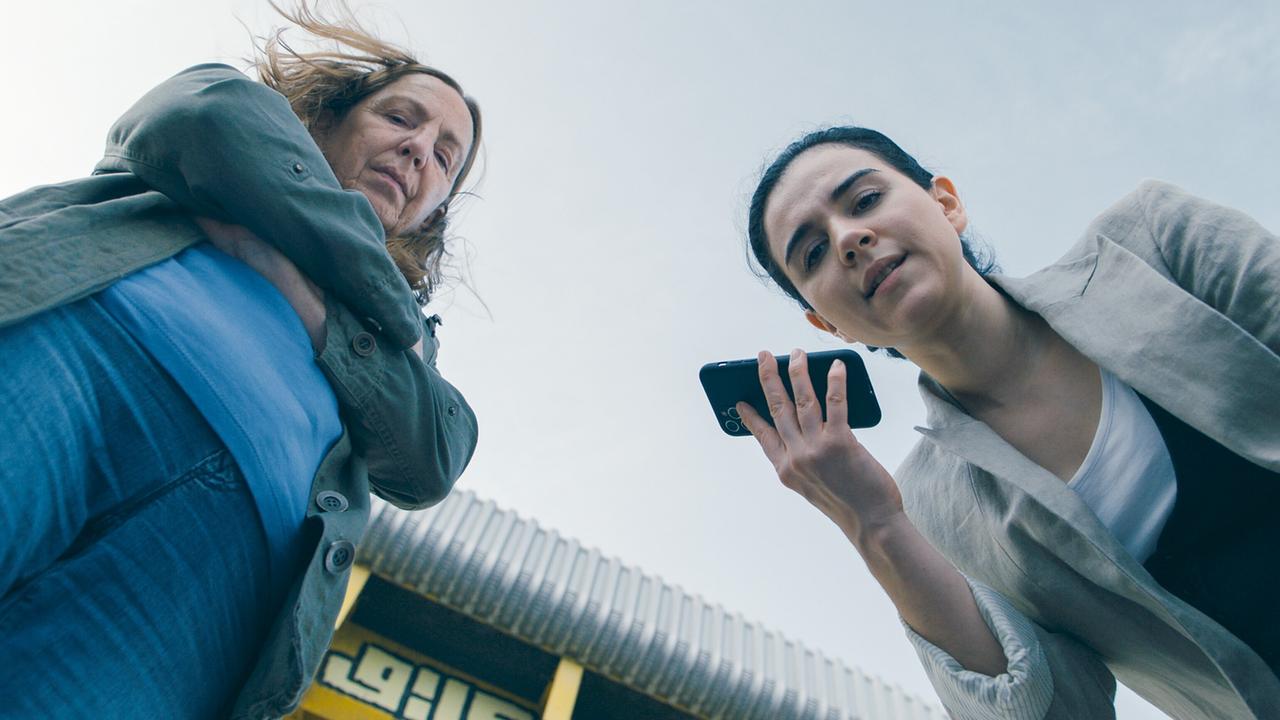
(733, 413)
(732, 426)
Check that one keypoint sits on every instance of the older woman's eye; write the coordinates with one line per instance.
(443, 159)
(865, 201)
(814, 254)
(398, 119)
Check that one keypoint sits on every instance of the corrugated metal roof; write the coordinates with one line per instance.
(616, 620)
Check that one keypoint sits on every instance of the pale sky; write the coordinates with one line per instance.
(605, 250)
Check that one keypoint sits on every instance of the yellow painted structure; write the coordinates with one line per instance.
(355, 583)
(563, 692)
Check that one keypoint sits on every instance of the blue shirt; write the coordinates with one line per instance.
(241, 353)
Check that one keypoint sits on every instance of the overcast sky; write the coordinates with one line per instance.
(605, 248)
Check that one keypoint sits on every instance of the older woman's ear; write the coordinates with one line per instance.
(321, 126)
(436, 215)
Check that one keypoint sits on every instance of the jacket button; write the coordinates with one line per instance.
(298, 168)
(453, 410)
(330, 501)
(339, 556)
(364, 344)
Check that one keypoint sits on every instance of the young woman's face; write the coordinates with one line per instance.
(402, 148)
(876, 256)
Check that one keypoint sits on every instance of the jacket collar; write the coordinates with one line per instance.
(1163, 342)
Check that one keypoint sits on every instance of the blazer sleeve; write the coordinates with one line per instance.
(1049, 676)
(1221, 256)
(415, 430)
(220, 144)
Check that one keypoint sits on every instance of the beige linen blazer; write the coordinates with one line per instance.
(1179, 298)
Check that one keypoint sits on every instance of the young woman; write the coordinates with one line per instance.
(192, 428)
(1094, 494)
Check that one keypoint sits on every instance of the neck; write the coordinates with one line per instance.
(985, 351)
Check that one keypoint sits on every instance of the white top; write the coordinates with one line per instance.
(1127, 478)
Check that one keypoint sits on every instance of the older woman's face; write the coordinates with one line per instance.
(402, 147)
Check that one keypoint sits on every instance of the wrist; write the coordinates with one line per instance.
(877, 537)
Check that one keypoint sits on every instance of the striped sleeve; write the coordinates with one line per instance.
(1023, 692)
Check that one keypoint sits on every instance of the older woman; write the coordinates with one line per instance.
(192, 428)
(1094, 496)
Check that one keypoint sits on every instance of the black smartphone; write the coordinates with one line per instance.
(729, 382)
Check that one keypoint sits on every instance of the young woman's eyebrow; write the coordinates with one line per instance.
(848, 182)
(804, 228)
(794, 242)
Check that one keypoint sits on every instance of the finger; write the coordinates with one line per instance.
(775, 395)
(837, 398)
(763, 432)
(808, 412)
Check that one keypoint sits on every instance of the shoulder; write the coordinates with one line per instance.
(1127, 220)
(1151, 221)
(1168, 218)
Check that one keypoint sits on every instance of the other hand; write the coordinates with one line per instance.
(304, 296)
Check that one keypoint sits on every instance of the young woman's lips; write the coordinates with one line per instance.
(890, 279)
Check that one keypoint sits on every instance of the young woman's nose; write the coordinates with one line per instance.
(853, 240)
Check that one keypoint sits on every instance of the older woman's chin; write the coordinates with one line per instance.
(387, 215)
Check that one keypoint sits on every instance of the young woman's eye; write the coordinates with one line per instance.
(865, 201)
(814, 254)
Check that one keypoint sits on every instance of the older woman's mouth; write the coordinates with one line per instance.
(395, 178)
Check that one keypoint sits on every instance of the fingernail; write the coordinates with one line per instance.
(795, 353)
(838, 363)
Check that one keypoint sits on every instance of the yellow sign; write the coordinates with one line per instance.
(368, 676)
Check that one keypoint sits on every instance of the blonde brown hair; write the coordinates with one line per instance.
(322, 85)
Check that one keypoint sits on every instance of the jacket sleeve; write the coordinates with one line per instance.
(220, 144)
(1220, 255)
(415, 430)
(1049, 676)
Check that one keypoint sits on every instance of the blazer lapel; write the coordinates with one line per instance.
(1165, 343)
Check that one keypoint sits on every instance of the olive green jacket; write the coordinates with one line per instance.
(212, 142)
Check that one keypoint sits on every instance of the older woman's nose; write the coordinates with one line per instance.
(418, 146)
(416, 158)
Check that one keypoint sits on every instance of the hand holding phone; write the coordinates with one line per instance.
(729, 382)
(814, 453)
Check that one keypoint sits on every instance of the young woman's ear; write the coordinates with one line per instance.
(821, 323)
(944, 191)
